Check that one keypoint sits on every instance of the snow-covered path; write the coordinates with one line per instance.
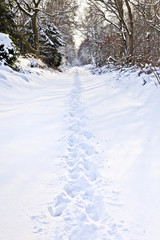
(79, 157)
(80, 204)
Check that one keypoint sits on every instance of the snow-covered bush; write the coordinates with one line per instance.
(8, 51)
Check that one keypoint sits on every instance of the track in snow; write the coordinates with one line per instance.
(83, 209)
(80, 204)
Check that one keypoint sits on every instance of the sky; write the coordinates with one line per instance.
(78, 38)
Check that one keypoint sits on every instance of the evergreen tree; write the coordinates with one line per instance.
(8, 50)
(6, 19)
(50, 41)
(63, 13)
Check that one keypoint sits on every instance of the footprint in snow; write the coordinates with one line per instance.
(61, 203)
(78, 186)
(80, 204)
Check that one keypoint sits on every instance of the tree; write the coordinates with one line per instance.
(63, 14)
(84, 53)
(8, 50)
(50, 40)
(137, 22)
(7, 24)
(93, 31)
(31, 9)
(119, 14)
(32, 21)
(147, 22)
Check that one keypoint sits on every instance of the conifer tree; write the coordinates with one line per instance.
(50, 40)
(6, 19)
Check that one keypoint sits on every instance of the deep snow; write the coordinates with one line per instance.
(79, 155)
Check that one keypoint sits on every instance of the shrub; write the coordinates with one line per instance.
(8, 51)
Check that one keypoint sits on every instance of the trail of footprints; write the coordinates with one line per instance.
(78, 212)
(80, 204)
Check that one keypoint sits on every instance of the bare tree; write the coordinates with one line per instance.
(119, 14)
(147, 30)
(137, 22)
(93, 31)
(31, 10)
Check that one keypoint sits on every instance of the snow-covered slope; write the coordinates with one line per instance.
(79, 155)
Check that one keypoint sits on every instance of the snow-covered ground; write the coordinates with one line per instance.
(79, 155)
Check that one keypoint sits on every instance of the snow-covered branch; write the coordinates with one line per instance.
(30, 14)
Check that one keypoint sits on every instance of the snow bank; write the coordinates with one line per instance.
(30, 62)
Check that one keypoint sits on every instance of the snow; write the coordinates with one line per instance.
(6, 41)
(79, 155)
(7, 49)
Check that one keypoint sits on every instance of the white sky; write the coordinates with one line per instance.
(78, 36)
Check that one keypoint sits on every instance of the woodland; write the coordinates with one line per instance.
(79, 119)
(122, 32)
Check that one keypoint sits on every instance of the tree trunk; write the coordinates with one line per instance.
(131, 47)
(130, 33)
(35, 32)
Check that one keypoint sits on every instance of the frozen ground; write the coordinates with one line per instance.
(79, 156)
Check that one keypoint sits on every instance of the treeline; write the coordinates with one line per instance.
(124, 32)
(121, 31)
(43, 28)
